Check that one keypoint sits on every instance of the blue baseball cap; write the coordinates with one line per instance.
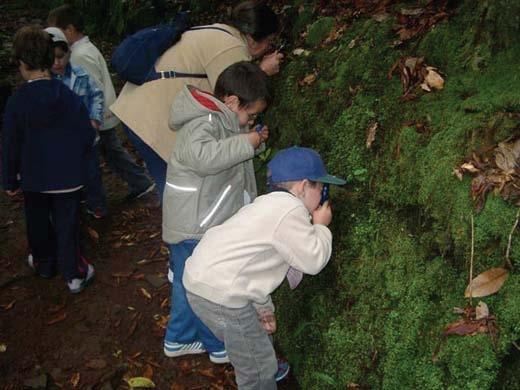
(297, 163)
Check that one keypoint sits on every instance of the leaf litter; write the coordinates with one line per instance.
(494, 170)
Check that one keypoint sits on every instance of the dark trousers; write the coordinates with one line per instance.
(154, 163)
(121, 163)
(53, 233)
(95, 192)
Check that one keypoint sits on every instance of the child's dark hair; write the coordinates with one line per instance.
(34, 47)
(65, 15)
(246, 81)
(255, 18)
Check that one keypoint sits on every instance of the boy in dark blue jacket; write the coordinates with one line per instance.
(46, 139)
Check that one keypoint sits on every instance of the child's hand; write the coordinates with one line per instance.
(322, 215)
(267, 320)
(255, 139)
(270, 64)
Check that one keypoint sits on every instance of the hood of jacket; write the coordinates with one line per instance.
(192, 103)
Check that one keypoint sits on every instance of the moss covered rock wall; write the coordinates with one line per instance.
(374, 318)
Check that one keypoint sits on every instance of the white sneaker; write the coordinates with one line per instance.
(176, 349)
(78, 285)
(219, 357)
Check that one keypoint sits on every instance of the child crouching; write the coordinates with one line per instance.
(237, 265)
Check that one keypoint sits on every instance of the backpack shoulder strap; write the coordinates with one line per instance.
(173, 74)
(209, 28)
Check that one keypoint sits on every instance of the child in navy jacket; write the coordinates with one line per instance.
(46, 139)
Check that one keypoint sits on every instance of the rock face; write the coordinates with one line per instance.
(401, 226)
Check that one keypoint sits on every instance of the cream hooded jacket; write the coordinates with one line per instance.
(210, 170)
(245, 259)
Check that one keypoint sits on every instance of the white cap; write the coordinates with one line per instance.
(56, 34)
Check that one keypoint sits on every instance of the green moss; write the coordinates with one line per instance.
(402, 233)
(319, 30)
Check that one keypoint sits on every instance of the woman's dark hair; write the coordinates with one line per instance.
(255, 18)
(246, 81)
(34, 47)
(64, 15)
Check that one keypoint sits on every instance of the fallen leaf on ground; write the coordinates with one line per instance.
(299, 51)
(487, 283)
(57, 319)
(146, 293)
(207, 372)
(93, 234)
(3, 347)
(371, 134)
(469, 325)
(9, 306)
(481, 311)
(122, 274)
(308, 80)
(140, 381)
(136, 355)
(74, 379)
(148, 372)
(96, 364)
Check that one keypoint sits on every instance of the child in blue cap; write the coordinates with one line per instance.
(237, 265)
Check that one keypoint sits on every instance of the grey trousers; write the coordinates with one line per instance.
(248, 345)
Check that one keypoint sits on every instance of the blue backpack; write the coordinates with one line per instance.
(134, 59)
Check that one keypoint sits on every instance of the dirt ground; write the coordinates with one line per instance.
(110, 332)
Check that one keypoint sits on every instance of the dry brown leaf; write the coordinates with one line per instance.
(57, 319)
(9, 306)
(74, 379)
(433, 79)
(469, 167)
(122, 274)
(457, 173)
(487, 283)
(96, 364)
(308, 80)
(481, 311)
(507, 155)
(93, 234)
(371, 134)
(148, 372)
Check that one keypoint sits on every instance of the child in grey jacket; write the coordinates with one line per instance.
(237, 265)
(210, 176)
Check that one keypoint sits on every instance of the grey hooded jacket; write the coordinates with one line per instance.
(210, 171)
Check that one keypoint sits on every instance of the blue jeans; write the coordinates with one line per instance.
(95, 192)
(154, 163)
(184, 326)
(121, 163)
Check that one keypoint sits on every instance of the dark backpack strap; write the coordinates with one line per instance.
(168, 74)
(208, 28)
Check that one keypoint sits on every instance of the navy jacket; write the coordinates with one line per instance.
(46, 138)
